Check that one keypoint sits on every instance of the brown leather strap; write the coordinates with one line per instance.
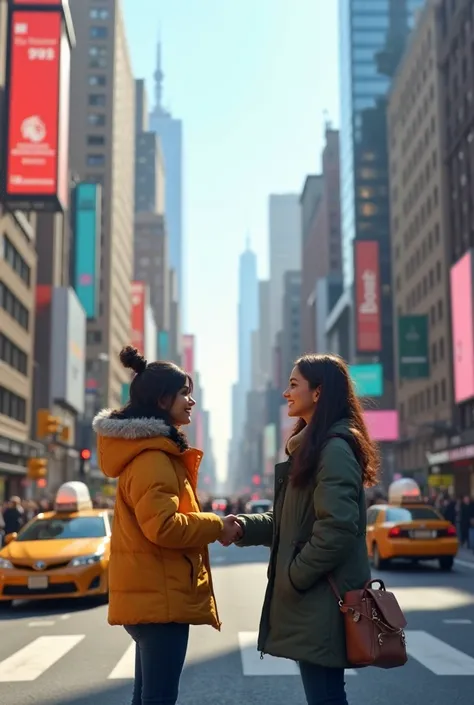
(336, 592)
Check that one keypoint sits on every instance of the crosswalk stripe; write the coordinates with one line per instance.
(29, 663)
(253, 665)
(437, 656)
(125, 668)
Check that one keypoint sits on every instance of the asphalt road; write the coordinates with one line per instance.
(66, 654)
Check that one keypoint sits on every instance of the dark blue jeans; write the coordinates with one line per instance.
(323, 686)
(160, 653)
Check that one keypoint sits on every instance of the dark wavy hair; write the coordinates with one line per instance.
(337, 401)
(153, 390)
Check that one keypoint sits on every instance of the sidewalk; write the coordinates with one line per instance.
(465, 557)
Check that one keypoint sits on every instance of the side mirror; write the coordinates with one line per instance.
(9, 538)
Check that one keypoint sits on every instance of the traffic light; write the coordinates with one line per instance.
(37, 468)
(47, 425)
(84, 460)
(65, 434)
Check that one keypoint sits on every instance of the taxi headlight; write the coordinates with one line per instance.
(86, 560)
(4, 564)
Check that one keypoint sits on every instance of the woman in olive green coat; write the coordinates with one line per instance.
(317, 527)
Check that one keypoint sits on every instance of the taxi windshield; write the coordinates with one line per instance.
(412, 514)
(64, 528)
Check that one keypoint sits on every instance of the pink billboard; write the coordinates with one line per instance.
(286, 426)
(462, 327)
(382, 425)
(188, 353)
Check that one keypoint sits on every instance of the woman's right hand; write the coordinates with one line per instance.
(232, 530)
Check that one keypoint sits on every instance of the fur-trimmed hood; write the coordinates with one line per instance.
(121, 439)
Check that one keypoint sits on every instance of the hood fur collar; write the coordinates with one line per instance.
(112, 424)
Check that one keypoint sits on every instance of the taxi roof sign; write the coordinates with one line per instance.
(404, 491)
(73, 497)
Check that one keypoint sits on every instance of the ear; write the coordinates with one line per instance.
(316, 394)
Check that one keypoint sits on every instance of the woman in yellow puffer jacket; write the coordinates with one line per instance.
(159, 575)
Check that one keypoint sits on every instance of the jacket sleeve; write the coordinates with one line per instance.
(153, 489)
(257, 528)
(336, 505)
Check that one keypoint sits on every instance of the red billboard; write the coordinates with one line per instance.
(368, 296)
(41, 3)
(188, 353)
(462, 321)
(36, 173)
(138, 316)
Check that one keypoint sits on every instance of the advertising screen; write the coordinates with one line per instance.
(86, 246)
(163, 345)
(188, 353)
(41, 3)
(286, 427)
(368, 380)
(382, 425)
(413, 347)
(368, 302)
(138, 316)
(462, 327)
(36, 168)
(68, 341)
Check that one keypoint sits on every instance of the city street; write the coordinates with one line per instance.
(66, 654)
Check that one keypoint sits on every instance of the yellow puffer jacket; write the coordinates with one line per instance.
(159, 566)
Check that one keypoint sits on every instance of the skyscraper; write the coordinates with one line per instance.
(170, 132)
(285, 251)
(102, 150)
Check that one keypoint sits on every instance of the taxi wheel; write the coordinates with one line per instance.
(5, 604)
(379, 563)
(446, 563)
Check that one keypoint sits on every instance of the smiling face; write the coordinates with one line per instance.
(301, 399)
(181, 409)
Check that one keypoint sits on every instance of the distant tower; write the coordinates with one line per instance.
(159, 76)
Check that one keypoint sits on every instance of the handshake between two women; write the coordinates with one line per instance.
(232, 530)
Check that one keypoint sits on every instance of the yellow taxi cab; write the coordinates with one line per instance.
(407, 528)
(59, 554)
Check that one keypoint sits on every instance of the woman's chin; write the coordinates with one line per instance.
(291, 412)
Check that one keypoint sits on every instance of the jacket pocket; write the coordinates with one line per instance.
(192, 572)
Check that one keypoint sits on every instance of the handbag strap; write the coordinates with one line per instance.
(349, 439)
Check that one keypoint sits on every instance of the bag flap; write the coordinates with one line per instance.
(388, 606)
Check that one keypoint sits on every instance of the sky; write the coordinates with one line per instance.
(251, 80)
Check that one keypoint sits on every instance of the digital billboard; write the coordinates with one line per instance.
(41, 3)
(87, 219)
(287, 424)
(382, 425)
(367, 379)
(138, 316)
(163, 345)
(188, 353)
(68, 343)
(462, 327)
(124, 393)
(269, 448)
(368, 296)
(413, 347)
(36, 166)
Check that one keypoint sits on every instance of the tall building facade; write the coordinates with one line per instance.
(103, 112)
(18, 264)
(291, 333)
(285, 251)
(151, 263)
(373, 39)
(321, 236)
(422, 326)
(248, 316)
(170, 132)
(454, 454)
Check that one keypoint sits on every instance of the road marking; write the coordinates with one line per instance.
(253, 665)
(33, 660)
(125, 669)
(63, 617)
(457, 621)
(464, 564)
(42, 623)
(437, 656)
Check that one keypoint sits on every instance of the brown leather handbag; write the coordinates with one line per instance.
(374, 625)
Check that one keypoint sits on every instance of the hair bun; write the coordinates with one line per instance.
(131, 359)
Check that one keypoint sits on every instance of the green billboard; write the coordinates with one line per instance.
(413, 347)
(368, 379)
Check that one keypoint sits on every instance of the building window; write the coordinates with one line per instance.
(12, 405)
(435, 395)
(96, 120)
(97, 100)
(441, 349)
(95, 80)
(94, 337)
(95, 140)
(98, 32)
(95, 160)
(12, 355)
(438, 271)
(14, 307)
(16, 261)
(99, 13)
(440, 310)
(443, 390)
